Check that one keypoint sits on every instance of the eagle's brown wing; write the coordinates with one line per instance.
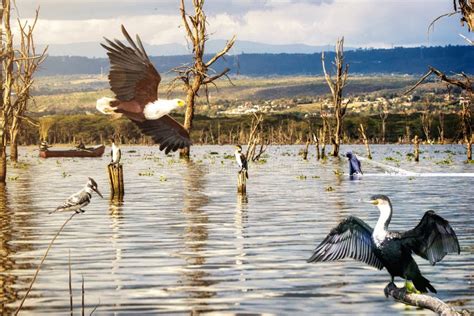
(132, 76)
(165, 131)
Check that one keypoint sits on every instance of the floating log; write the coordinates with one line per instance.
(242, 182)
(117, 188)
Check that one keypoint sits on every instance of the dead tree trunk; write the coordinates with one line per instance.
(441, 127)
(6, 106)
(198, 74)
(337, 85)
(366, 141)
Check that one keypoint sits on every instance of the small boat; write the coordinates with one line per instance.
(97, 151)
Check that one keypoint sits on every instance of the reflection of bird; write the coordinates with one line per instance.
(116, 153)
(134, 81)
(354, 164)
(80, 199)
(431, 239)
(241, 160)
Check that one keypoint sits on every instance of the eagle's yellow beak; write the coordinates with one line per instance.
(181, 103)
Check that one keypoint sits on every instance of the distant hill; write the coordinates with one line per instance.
(94, 50)
(362, 61)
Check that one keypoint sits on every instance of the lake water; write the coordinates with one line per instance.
(183, 241)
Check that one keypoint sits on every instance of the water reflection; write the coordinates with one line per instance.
(195, 278)
(7, 263)
(115, 213)
(240, 224)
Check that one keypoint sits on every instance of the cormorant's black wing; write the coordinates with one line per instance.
(432, 239)
(350, 238)
(165, 131)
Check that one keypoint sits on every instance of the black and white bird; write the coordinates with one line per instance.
(134, 81)
(116, 153)
(355, 168)
(241, 160)
(431, 239)
(80, 199)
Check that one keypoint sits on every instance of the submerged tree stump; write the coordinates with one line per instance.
(416, 142)
(422, 300)
(117, 188)
(306, 149)
(242, 182)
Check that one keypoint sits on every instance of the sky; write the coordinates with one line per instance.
(363, 23)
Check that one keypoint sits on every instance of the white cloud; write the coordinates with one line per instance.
(364, 23)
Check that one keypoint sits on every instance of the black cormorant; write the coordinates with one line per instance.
(431, 239)
(241, 160)
(355, 168)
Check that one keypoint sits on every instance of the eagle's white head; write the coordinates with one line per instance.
(161, 107)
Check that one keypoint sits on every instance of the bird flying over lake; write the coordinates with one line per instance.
(134, 81)
(355, 168)
(241, 160)
(80, 199)
(431, 239)
(116, 153)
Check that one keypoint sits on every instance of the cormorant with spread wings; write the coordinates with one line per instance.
(134, 81)
(432, 239)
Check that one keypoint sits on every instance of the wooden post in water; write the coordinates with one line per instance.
(242, 182)
(116, 180)
(416, 141)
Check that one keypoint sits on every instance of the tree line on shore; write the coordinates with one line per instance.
(292, 128)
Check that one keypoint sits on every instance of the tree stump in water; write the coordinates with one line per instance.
(242, 182)
(117, 188)
(416, 141)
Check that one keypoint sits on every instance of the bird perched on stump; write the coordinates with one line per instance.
(116, 153)
(241, 160)
(80, 199)
(134, 81)
(431, 239)
(355, 168)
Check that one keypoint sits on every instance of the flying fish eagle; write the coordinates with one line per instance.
(134, 81)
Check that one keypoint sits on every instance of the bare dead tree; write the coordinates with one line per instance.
(257, 145)
(465, 82)
(324, 132)
(426, 121)
(441, 127)
(27, 62)
(365, 139)
(337, 85)
(200, 72)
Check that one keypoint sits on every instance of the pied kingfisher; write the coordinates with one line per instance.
(241, 160)
(80, 199)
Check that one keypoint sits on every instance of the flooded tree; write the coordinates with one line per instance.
(26, 62)
(200, 72)
(337, 85)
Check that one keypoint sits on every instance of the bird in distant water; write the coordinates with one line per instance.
(432, 239)
(355, 168)
(241, 160)
(80, 199)
(134, 81)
